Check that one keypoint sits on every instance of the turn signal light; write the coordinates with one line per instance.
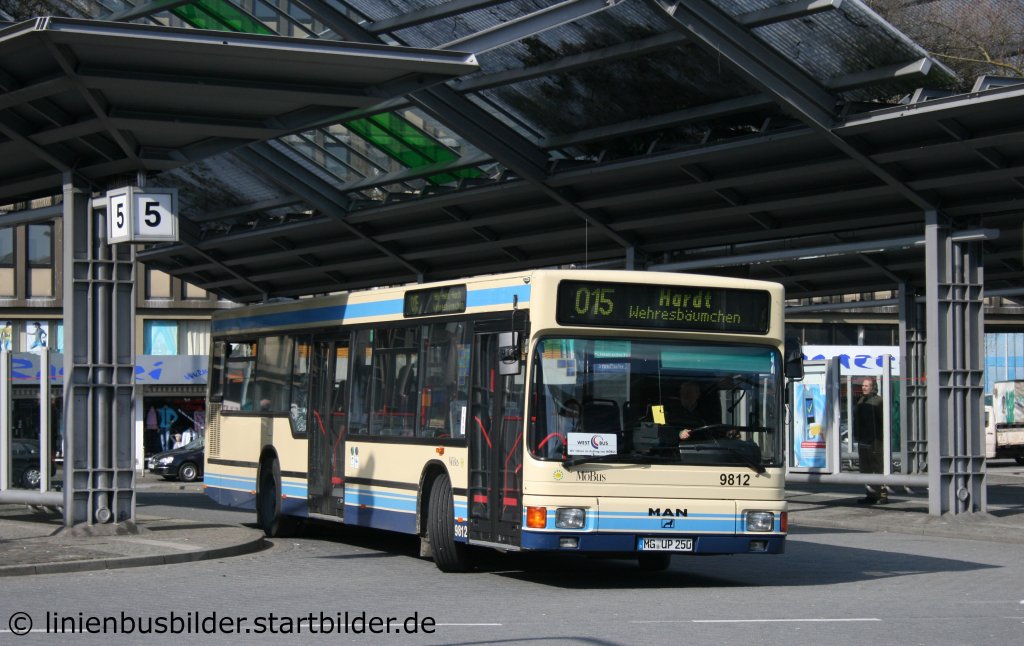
(537, 517)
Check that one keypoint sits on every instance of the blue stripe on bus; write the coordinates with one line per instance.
(696, 522)
(247, 483)
(498, 296)
(636, 521)
(229, 482)
(350, 312)
(396, 521)
(376, 499)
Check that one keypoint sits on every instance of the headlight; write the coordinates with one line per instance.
(760, 521)
(167, 460)
(570, 518)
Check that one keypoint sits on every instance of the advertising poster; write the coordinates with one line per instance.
(36, 336)
(6, 336)
(809, 424)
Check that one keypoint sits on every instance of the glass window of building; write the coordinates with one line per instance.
(191, 292)
(40, 260)
(160, 337)
(7, 262)
(194, 336)
(158, 284)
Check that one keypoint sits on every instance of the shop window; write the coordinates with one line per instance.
(161, 337)
(40, 260)
(7, 262)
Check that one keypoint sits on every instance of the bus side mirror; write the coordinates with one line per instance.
(508, 353)
(794, 359)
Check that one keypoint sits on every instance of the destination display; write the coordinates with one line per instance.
(450, 299)
(662, 306)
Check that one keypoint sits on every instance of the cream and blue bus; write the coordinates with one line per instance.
(535, 411)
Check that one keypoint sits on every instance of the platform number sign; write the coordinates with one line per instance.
(142, 214)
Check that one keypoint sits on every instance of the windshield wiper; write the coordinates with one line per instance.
(589, 459)
(716, 446)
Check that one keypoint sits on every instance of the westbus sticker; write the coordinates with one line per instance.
(592, 444)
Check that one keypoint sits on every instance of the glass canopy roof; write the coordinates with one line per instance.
(590, 131)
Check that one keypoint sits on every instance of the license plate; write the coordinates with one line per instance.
(665, 545)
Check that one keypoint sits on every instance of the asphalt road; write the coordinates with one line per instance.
(831, 587)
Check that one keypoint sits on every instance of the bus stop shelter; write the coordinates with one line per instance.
(367, 143)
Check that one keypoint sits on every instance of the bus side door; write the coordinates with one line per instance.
(495, 437)
(326, 425)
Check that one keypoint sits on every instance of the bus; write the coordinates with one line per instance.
(531, 411)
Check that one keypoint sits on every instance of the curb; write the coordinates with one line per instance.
(254, 545)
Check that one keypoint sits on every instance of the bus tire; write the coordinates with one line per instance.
(268, 502)
(449, 555)
(655, 562)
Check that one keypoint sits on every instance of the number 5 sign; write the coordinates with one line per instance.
(142, 214)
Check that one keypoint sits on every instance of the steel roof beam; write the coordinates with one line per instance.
(428, 14)
(66, 60)
(920, 67)
(529, 25)
(145, 10)
(775, 75)
(189, 236)
(632, 49)
(315, 191)
(666, 120)
(786, 11)
(475, 124)
(246, 209)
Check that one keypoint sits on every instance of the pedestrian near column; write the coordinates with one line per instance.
(868, 433)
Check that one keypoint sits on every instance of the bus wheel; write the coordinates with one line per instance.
(657, 562)
(449, 556)
(268, 502)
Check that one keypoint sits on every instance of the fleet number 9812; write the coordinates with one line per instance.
(734, 479)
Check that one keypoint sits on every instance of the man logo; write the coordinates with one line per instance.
(668, 523)
(667, 512)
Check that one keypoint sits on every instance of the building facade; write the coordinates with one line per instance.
(171, 340)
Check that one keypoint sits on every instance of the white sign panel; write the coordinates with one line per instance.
(120, 229)
(142, 214)
(592, 444)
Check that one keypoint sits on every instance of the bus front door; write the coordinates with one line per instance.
(328, 372)
(495, 437)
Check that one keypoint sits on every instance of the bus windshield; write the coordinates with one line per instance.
(656, 402)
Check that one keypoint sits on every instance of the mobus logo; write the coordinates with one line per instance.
(658, 511)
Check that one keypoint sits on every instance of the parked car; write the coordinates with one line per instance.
(25, 464)
(184, 463)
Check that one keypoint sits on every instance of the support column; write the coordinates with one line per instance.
(955, 362)
(99, 372)
(913, 396)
